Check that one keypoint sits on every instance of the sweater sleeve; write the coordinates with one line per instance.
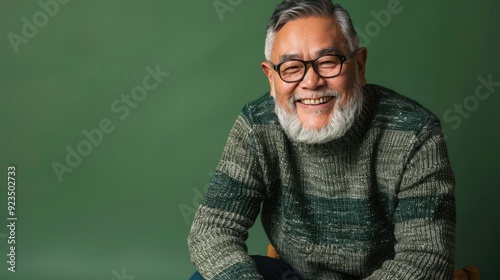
(229, 208)
(424, 219)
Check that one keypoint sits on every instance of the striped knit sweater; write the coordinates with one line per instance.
(377, 203)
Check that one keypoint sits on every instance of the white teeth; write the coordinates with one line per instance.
(316, 101)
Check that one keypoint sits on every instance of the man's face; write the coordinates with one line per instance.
(306, 39)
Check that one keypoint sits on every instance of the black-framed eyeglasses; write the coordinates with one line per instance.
(326, 66)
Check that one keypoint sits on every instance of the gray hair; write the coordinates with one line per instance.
(290, 10)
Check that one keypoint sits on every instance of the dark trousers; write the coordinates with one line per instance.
(271, 269)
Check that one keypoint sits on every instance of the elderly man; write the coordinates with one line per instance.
(352, 180)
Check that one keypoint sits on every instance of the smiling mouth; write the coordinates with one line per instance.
(316, 101)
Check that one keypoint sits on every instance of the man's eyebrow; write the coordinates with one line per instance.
(287, 57)
(329, 50)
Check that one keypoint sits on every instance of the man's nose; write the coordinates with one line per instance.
(311, 79)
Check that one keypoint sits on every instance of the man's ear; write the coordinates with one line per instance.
(361, 57)
(268, 71)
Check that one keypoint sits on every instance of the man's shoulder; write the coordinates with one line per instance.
(398, 112)
(260, 111)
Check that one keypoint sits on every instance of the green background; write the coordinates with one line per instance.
(126, 208)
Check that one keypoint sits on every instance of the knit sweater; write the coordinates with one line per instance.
(377, 203)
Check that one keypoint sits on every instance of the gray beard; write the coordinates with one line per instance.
(340, 122)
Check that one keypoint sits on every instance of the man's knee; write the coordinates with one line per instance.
(269, 268)
(196, 276)
(272, 269)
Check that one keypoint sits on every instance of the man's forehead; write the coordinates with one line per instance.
(316, 35)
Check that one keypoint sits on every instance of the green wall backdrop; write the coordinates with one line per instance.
(115, 113)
